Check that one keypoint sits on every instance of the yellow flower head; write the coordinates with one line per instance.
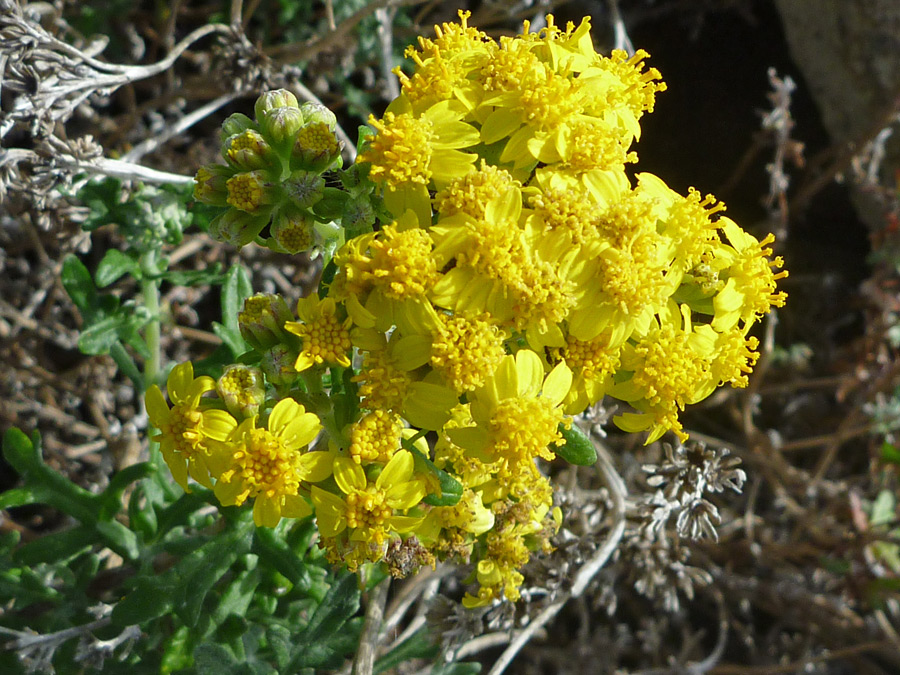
(326, 339)
(249, 191)
(671, 368)
(499, 269)
(187, 428)
(370, 511)
(470, 194)
(388, 383)
(410, 151)
(517, 413)
(466, 350)
(593, 364)
(268, 464)
(749, 291)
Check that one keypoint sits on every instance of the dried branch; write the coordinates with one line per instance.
(54, 78)
(103, 166)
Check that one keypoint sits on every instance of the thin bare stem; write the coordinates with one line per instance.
(622, 41)
(386, 39)
(364, 662)
(100, 166)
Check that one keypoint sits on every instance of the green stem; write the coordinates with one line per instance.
(150, 289)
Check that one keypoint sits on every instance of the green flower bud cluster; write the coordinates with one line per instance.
(273, 179)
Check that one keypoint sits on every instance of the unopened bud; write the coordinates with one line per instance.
(243, 390)
(292, 231)
(262, 320)
(248, 150)
(237, 228)
(304, 188)
(236, 124)
(249, 191)
(209, 184)
(358, 216)
(278, 365)
(281, 125)
(316, 148)
(277, 98)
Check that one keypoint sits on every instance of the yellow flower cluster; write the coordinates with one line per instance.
(526, 274)
(521, 278)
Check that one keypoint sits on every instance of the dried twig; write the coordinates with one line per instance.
(54, 78)
(622, 41)
(103, 166)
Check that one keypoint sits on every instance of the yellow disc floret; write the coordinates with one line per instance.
(247, 191)
(400, 152)
(375, 438)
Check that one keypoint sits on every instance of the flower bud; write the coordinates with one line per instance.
(243, 390)
(209, 184)
(281, 125)
(236, 124)
(237, 228)
(316, 148)
(248, 150)
(277, 98)
(262, 320)
(358, 216)
(304, 188)
(292, 231)
(278, 365)
(249, 191)
(318, 113)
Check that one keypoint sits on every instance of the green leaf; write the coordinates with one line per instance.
(56, 547)
(79, 285)
(281, 641)
(237, 596)
(211, 276)
(114, 264)
(418, 646)
(235, 290)
(141, 514)
(271, 547)
(884, 508)
(330, 634)
(100, 336)
(45, 485)
(213, 659)
(331, 206)
(17, 497)
(201, 570)
(150, 598)
(890, 453)
(451, 489)
(576, 447)
(127, 365)
(119, 538)
(120, 482)
(177, 651)
(328, 274)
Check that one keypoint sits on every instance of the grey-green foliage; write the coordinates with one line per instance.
(195, 584)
